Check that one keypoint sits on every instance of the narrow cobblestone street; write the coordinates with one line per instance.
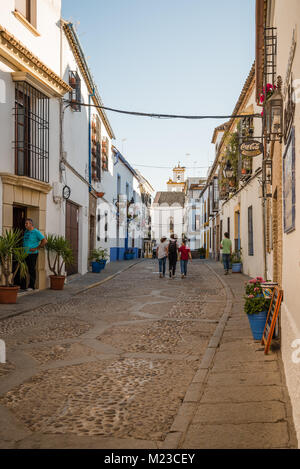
(143, 362)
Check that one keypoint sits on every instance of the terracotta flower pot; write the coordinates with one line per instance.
(8, 295)
(57, 282)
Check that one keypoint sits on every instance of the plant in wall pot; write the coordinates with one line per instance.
(256, 306)
(99, 258)
(59, 254)
(236, 261)
(129, 254)
(12, 261)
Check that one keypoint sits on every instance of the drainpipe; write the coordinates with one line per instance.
(90, 141)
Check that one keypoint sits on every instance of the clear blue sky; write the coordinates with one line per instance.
(171, 57)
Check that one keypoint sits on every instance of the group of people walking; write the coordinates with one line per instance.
(173, 252)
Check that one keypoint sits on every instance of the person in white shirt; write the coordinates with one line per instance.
(162, 254)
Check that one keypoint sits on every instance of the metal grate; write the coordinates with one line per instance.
(31, 132)
(270, 62)
(75, 94)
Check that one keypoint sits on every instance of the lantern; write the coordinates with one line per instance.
(228, 171)
(268, 171)
(274, 115)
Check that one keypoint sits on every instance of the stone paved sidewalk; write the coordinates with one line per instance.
(74, 285)
(239, 398)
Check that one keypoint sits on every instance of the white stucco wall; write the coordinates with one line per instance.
(286, 19)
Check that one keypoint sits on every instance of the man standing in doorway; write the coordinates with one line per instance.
(33, 240)
(226, 246)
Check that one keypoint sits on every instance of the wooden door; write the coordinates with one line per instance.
(72, 216)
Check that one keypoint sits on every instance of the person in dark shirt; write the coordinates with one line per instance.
(173, 254)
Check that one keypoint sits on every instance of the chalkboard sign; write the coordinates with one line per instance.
(271, 318)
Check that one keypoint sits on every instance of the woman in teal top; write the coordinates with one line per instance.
(32, 241)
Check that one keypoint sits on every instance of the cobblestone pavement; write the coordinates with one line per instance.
(118, 366)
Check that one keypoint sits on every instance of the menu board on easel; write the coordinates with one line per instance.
(271, 318)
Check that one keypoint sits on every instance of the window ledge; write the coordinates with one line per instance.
(26, 23)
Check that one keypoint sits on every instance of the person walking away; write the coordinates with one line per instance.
(184, 255)
(162, 254)
(173, 254)
(33, 240)
(226, 246)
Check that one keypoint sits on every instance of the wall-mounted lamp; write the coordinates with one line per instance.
(274, 115)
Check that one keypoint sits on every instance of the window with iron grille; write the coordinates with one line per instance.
(215, 194)
(106, 228)
(250, 232)
(270, 61)
(31, 132)
(98, 161)
(75, 93)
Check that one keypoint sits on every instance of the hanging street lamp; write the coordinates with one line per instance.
(228, 170)
(268, 171)
(274, 115)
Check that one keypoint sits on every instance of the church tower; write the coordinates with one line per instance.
(177, 184)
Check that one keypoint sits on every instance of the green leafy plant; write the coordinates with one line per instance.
(202, 251)
(236, 257)
(12, 254)
(63, 254)
(255, 302)
(99, 254)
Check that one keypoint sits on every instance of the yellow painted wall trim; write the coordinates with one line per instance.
(20, 57)
(26, 23)
(23, 181)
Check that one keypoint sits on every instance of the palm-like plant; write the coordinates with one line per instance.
(11, 253)
(63, 254)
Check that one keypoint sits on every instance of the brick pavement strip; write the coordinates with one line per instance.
(142, 362)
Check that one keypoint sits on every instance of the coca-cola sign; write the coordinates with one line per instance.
(251, 148)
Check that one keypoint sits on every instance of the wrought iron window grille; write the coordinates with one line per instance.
(270, 62)
(31, 142)
(75, 93)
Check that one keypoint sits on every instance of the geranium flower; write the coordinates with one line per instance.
(260, 279)
(254, 280)
(250, 296)
(269, 87)
(262, 98)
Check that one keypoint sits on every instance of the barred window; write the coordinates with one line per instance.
(31, 132)
(250, 232)
(75, 93)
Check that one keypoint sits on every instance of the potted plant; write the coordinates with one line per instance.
(236, 261)
(62, 256)
(129, 254)
(256, 307)
(202, 252)
(99, 258)
(12, 260)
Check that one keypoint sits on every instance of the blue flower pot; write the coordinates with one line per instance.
(129, 256)
(257, 323)
(236, 267)
(98, 266)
